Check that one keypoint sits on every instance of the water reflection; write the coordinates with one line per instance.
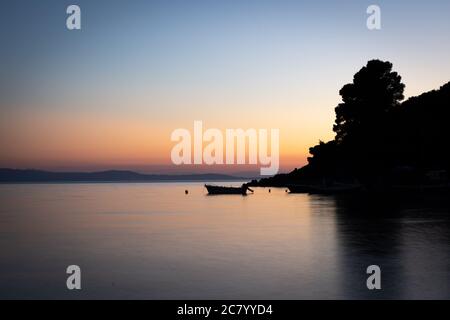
(407, 237)
(152, 241)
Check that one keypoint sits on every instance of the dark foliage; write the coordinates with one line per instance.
(379, 140)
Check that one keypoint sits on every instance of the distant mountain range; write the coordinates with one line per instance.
(30, 175)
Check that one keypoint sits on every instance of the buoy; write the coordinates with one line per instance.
(269, 191)
(186, 192)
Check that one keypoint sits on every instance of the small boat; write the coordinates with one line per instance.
(336, 189)
(332, 189)
(242, 190)
(299, 188)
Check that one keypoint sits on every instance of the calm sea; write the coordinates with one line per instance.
(152, 241)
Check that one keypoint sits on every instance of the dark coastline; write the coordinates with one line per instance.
(382, 143)
(39, 176)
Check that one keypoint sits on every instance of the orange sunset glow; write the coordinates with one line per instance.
(110, 95)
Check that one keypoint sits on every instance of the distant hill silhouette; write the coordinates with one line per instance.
(16, 175)
(380, 142)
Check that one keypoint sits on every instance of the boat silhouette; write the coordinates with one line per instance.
(242, 190)
(324, 189)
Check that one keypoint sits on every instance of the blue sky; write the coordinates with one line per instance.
(164, 64)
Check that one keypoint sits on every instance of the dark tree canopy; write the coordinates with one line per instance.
(375, 90)
(380, 141)
(362, 124)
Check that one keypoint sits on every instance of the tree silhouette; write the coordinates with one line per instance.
(375, 90)
(362, 125)
(422, 134)
(363, 119)
(380, 141)
(324, 158)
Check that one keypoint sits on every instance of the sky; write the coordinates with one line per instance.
(109, 95)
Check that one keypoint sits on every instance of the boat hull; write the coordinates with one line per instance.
(311, 189)
(299, 189)
(226, 190)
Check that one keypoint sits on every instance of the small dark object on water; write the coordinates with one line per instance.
(186, 192)
(269, 191)
(228, 190)
(332, 189)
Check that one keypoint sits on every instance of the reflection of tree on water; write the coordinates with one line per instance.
(408, 238)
